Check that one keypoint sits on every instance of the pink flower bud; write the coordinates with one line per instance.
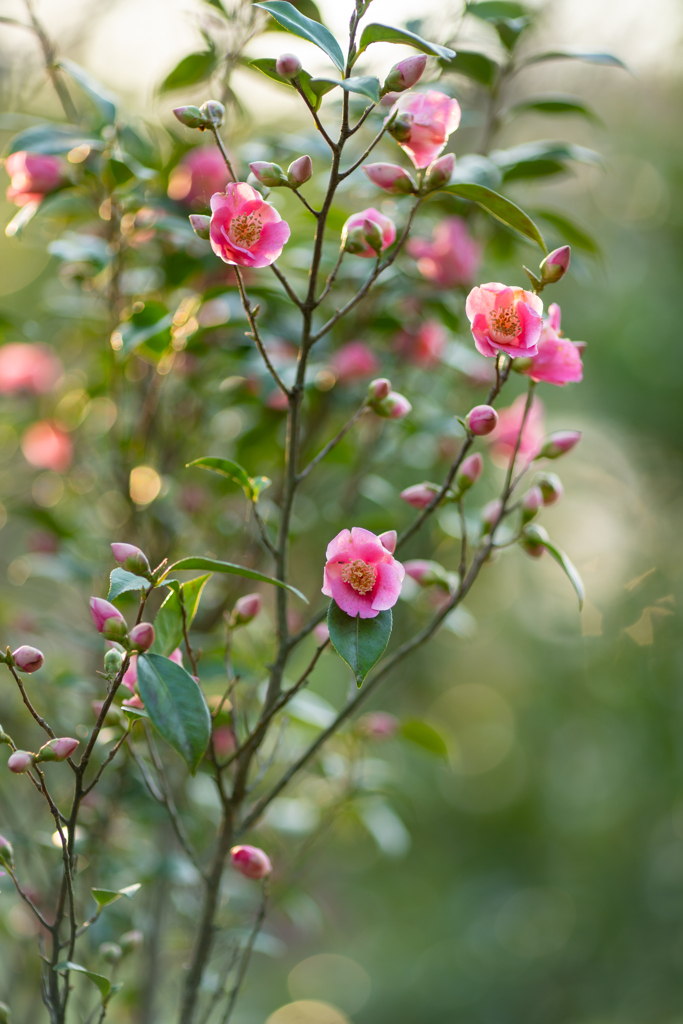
(551, 487)
(142, 636)
(405, 74)
(391, 178)
(401, 127)
(490, 514)
(555, 265)
(321, 632)
(425, 572)
(20, 761)
(268, 174)
(531, 502)
(131, 558)
(213, 111)
(469, 472)
(201, 225)
(57, 750)
(28, 659)
(419, 495)
(288, 65)
(481, 420)
(393, 407)
(559, 443)
(246, 609)
(6, 853)
(299, 172)
(440, 172)
(378, 725)
(108, 619)
(379, 389)
(250, 861)
(531, 542)
(191, 117)
(388, 540)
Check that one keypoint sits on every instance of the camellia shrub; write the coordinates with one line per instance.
(247, 351)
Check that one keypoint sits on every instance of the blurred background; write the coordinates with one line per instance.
(533, 871)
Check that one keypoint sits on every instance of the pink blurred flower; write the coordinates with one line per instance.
(504, 437)
(432, 117)
(47, 447)
(246, 609)
(354, 360)
(250, 861)
(361, 576)
(25, 367)
(357, 224)
(378, 725)
(200, 173)
(20, 761)
(558, 360)
(133, 702)
(452, 257)
(33, 176)
(245, 230)
(321, 632)
(224, 742)
(425, 348)
(505, 319)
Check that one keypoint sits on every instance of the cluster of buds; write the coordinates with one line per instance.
(251, 861)
(553, 268)
(209, 115)
(395, 180)
(58, 749)
(246, 609)
(25, 659)
(421, 495)
(111, 624)
(272, 176)
(385, 402)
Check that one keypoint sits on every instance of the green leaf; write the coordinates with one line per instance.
(538, 159)
(213, 565)
(258, 484)
(103, 99)
(52, 138)
(476, 170)
(299, 25)
(191, 70)
(539, 536)
(500, 208)
(134, 714)
(103, 984)
(365, 85)
(176, 706)
(103, 897)
(266, 65)
(492, 10)
(604, 59)
(376, 33)
(360, 642)
(157, 333)
(228, 468)
(554, 105)
(122, 581)
(571, 233)
(168, 624)
(425, 736)
(473, 65)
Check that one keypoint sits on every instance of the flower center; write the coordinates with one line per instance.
(504, 323)
(360, 576)
(245, 229)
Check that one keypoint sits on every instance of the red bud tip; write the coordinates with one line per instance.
(246, 609)
(28, 659)
(531, 542)
(108, 619)
(388, 540)
(393, 407)
(405, 74)
(20, 761)
(379, 389)
(250, 861)
(469, 472)
(555, 265)
(142, 636)
(288, 65)
(481, 420)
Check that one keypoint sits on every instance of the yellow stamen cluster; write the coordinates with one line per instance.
(360, 576)
(505, 321)
(245, 229)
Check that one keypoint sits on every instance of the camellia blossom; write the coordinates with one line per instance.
(504, 438)
(361, 576)
(47, 447)
(200, 173)
(387, 230)
(245, 230)
(31, 368)
(452, 257)
(504, 319)
(33, 176)
(354, 361)
(432, 117)
(558, 360)
(426, 347)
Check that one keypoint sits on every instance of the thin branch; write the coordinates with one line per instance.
(318, 123)
(246, 956)
(219, 143)
(41, 721)
(368, 110)
(366, 154)
(333, 443)
(109, 758)
(286, 285)
(251, 317)
(332, 278)
(316, 213)
(27, 899)
(263, 530)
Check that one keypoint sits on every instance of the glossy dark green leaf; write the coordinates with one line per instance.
(376, 33)
(366, 85)
(360, 642)
(103, 99)
(266, 65)
(103, 984)
(425, 736)
(299, 25)
(168, 624)
(121, 581)
(500, 208)
(554, 105)
(473, 65)
(306, 7)
(103, 897)
(191, 70)
(214, 565)
(52, 138)
(176, 706)
(604, 59)
(570, 232)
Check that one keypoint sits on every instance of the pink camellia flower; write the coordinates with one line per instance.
(431, 117)
(130, 676)
(251, 861)
(353, 361)
(130, 557)
(28, 659)
(378, 725)
(504, 319)
(419, 495)
(245, 230)
(361, 576)
(558, 360)
(200, 173)
(31, 368)
(426, 348)
(504, 438)
(452, 257)
(20, 761)
(47, 447)
(389, 539)
(142, 636)
(107, 618)
(366, 223)
(33, 176)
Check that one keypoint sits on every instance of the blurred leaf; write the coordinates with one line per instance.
(103, 897)
(366, 85)
(213, 565)
(191, 70)
(266, 65)
(555, 105)
(476, 170)
(103, 984)
(134, 336)
(571, 233)
(492, 10)
(604, 59)
(473, 65)
(121, 581)
(119, 172)
(425, 736)
(360, 642)
(539, 536)
(299, 25)
(258, 484)
(75, 246)
(103, 99)
(52, 138)
(176, 706)
(134, 714)
(540, 159)
(168, 624)
(500, 208)
(375, 33)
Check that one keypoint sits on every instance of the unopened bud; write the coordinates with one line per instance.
(142, 636)
(268, 174)
(250, 861)
(28, 659)
(131, 558)
(111, 952)
(378, 725)
(555, 265)
(481, 420)
(531, 502)
(288, 65)
(400, 127)
(490, 514)
(388, 540)
(373, 235)
(391, 178)
(213, 112)
(201, 225)
(6, 853)
(113, 660)
(108, 619)
(420, 495)
(246, 609)
(354, 242)
(300, 171)
(4, 1014)
(393, 407)
(426, 573)
(532, 541)
(57, 750)
(551, 487)
(405, 74)
(20, 761)
(440, 172)
(379, 389)
(559, 443)
(469, 472)
(191, 117)
(130, 941)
